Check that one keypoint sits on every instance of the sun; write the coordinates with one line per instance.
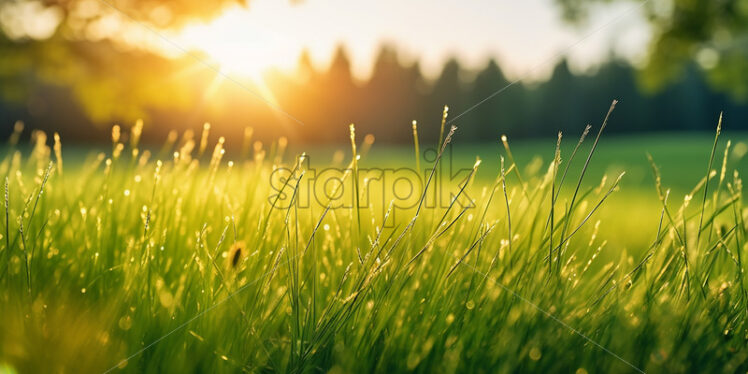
(239, 43)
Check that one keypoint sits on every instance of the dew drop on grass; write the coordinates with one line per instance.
(658, 356)
(413, 360)
(166, 298)
(535, 354)
(470, 304)
(125, 323)
(83, 290)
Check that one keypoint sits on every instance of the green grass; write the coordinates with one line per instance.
(129, 264)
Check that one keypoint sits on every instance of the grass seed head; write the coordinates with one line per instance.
(235, 254)
(204, 138)
(116, 134)
(16, 135)
(58, 152)
(137, 130)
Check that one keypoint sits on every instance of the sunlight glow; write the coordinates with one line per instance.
(272, 34)
(238, 43)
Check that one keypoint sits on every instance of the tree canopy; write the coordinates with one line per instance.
(84, 65)
(83, 19)
(712, 34)
(83, 45)
(328, 98)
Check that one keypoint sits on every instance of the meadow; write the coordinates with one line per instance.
(188, 257)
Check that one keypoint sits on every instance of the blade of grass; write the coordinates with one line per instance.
(581, 177)
(706, 185)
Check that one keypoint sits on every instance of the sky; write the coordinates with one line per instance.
(526, 36)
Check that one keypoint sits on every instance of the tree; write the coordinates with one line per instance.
(559, 102)
(81, 44)
(503, 112)
(73, 18)
(447, 90)
(616, 79)
(713, 34)
(335, 101)
(392, 96)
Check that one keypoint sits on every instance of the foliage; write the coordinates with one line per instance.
(396, 94)
(83, 77)
(713, 34)
(77, 19)
(82, 44)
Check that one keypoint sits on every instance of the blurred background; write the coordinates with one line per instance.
(306, 69)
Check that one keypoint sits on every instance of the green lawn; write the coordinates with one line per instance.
(682, 158)
(121, 263)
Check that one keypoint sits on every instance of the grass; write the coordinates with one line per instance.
(122, 263)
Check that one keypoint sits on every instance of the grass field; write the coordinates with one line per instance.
(194, 263)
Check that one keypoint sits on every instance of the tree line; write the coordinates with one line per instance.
(327, 100)
(487, 103)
